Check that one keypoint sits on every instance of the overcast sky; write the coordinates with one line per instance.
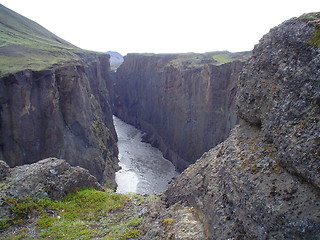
(161, 26)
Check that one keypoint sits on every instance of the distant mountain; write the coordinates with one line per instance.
(116, 59)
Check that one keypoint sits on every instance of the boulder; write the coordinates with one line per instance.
(51, 177)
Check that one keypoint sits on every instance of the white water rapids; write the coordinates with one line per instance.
(143, 168)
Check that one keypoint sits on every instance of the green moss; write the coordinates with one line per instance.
(168, 223)
(316, 37)
(101, 133)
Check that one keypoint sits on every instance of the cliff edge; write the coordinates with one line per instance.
(263, 181)
(54, 100)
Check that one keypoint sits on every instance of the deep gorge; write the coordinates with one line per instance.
(185, 103)
(242, 128)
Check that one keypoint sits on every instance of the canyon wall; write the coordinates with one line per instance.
(184, 102)
(263, 181)
(61, 112)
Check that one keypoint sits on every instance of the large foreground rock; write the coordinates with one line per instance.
(51, 177)
(263, 181)
(280, 90)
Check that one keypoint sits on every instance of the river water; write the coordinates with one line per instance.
(143, 168)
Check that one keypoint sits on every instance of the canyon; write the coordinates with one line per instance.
(184, 102)
(243, 128)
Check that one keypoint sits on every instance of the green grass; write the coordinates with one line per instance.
(85, 214)
(194, 60)
(222, 58)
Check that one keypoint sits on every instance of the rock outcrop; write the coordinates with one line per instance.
(263, 181)
(184, 102)
(280, 90)
(54, 100)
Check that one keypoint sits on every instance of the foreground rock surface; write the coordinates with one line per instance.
(280, 90)
(263, 181)
(55, 178)
(184, 102)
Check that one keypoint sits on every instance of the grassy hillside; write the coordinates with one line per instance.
(25, 44)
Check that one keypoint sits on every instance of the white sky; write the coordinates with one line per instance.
(161, 26)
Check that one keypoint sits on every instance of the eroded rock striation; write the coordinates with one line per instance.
(184, 102)
(263, 181)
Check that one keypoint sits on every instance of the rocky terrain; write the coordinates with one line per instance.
(58, 107)
(263, 181)
(184, 102)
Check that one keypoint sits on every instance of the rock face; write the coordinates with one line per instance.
(61, 112)
(51, 177)
(280, 90)
(263, 181)
(185, 103)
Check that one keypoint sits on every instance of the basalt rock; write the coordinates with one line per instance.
(263, 181)
(184, 102)
(280, 90)
(62, 112)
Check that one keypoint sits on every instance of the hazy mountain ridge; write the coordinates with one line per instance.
(116, 59)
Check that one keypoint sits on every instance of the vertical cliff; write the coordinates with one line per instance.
(54, 100)
(263, 181)
(61, 112)
(184, 102)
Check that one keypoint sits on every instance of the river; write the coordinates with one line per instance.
(143, 168)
